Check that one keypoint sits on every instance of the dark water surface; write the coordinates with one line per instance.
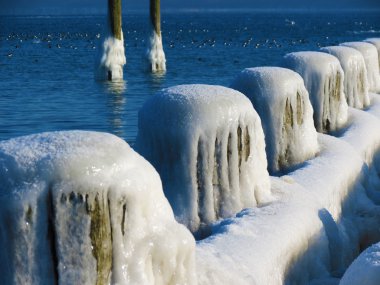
(47, 63)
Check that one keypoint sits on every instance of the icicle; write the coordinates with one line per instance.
(371, 59)
(208, 146)
(323, 77)
(355, 75)
(282, 101)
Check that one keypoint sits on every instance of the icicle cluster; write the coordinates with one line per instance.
(323, 77)
(84, 208)
(371, 59)
(111, 59)
(155, 53)
(207, 143)
(282, 101)
(355, 75)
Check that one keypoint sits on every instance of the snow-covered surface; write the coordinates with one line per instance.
(323, 77)
(84, 208)
(282, 102)
(155, 53)
(355, 75)
(111, 59)
(208, 145)
(376, 43)
(371, 58)
(365, 269)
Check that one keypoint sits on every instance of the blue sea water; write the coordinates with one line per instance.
(47, 63)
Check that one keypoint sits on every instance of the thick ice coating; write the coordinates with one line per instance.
(355, 75)
(282, 102)
(323, 77)
(371, 59)
(84, 208)
(365, 269)
(208, 145)
(376, 43)
(111, 59)
(155, 53)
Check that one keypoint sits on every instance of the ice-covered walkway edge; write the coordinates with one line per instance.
(325, 213)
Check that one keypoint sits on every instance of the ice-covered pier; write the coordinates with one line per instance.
(85, 208)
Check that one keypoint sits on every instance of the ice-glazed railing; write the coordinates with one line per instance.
(207, 144)
(84, 208)
(371, 59)
(355, 75)
(282, 102)
(323, 77)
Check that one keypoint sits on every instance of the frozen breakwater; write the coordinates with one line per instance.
(84, 207)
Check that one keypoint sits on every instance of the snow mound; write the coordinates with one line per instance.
(323, 77)
(371, 59)
(208, 145)
(84, 208)
(365, 269)
(376, 43)
(282, 102)
(111, 59)
(155, 53)
(355, 75)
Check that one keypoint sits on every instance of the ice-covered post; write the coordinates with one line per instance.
(323, 77)
(355, 75)
(84, 208)
(208, 145)
(112, 55)
(282, 102)
(155, 53)
(371, 59)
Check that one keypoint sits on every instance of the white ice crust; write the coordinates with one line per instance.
(323, 77)
(84, 208)
(376, 43)
(282, 102)
(355, 75)
(111, 59)
(155, 53)
(371, 59)
(208, 145)
(365, 269)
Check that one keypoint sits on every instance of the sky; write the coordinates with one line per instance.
(98, 6)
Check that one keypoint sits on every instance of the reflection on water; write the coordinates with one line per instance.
(116, 101)
(116, 87)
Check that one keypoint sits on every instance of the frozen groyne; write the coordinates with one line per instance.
(323, 77)
(355, 75)
(282, 101)
(371, 58)
(207, 143)
(84, 208)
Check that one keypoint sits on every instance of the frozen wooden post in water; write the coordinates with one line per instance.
(155, 53)
(282, 102)
(208, 145)
(84, 208)
(112, 55)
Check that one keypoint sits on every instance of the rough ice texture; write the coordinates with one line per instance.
(84, 208)
(282, 102)
(155, 53)
(208, 145)
(320, 221)
(376, 43)
(323, 77)
(365, 269)
(111, 59)
(355, 75)
(371, 59)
